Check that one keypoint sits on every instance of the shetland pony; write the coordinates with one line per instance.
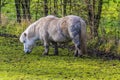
(51, 29)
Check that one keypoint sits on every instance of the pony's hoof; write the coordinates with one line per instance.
(76, 54)
(55, 54)
(80, 55)
(45, 54)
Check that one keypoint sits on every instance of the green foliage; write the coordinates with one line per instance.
(107, 46)
(14, 28)
(9, 9)
(118, 47)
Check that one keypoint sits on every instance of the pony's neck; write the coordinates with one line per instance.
(32, 31)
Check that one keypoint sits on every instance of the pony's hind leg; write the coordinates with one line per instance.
(76, 41)
(46, 50)
(55, 48)
(78, 52)
(46, 45)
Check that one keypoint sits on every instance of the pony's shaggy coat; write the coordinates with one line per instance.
(54, 30)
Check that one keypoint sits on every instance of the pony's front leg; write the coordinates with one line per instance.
(55, 48)
(46, 46)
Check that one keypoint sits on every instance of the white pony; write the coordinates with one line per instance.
(56, 30)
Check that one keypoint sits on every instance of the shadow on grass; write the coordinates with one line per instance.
(103, 55)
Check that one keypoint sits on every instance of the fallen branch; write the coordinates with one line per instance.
(8, 35)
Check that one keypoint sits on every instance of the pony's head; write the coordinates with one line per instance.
(28, 43)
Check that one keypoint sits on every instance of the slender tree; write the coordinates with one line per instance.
(45, 7)
(50, 4)
(64, 7)
(36, 9)
(98, 17)
(55, 7)
(0, 12)
(23, 5)
(70, 6)
(26, 9)
(17, 5)
(94, 8)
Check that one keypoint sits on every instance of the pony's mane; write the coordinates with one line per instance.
(29, 29)
(32, 28)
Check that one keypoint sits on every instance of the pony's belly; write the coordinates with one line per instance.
(60, 38)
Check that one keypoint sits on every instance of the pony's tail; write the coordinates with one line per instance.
(83, 37)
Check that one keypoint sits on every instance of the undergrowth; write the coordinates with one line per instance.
(106, 40)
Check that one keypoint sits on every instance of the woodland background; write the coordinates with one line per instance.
(102, 18)
(102, 61)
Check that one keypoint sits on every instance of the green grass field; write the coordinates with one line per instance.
(15, 65)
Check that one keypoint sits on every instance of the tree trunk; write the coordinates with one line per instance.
(0, 13)
(45, 7)
(55, 7)
(64, 7)
(94, 15)
(97, 18)
(26, 9)
(50, 9)
(17, 5)
(90, 16)
(70, 4)
(23, 8)
(36, 9)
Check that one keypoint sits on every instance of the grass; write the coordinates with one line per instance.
(15, 65)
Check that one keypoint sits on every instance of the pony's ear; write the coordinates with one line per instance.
(25, 34)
